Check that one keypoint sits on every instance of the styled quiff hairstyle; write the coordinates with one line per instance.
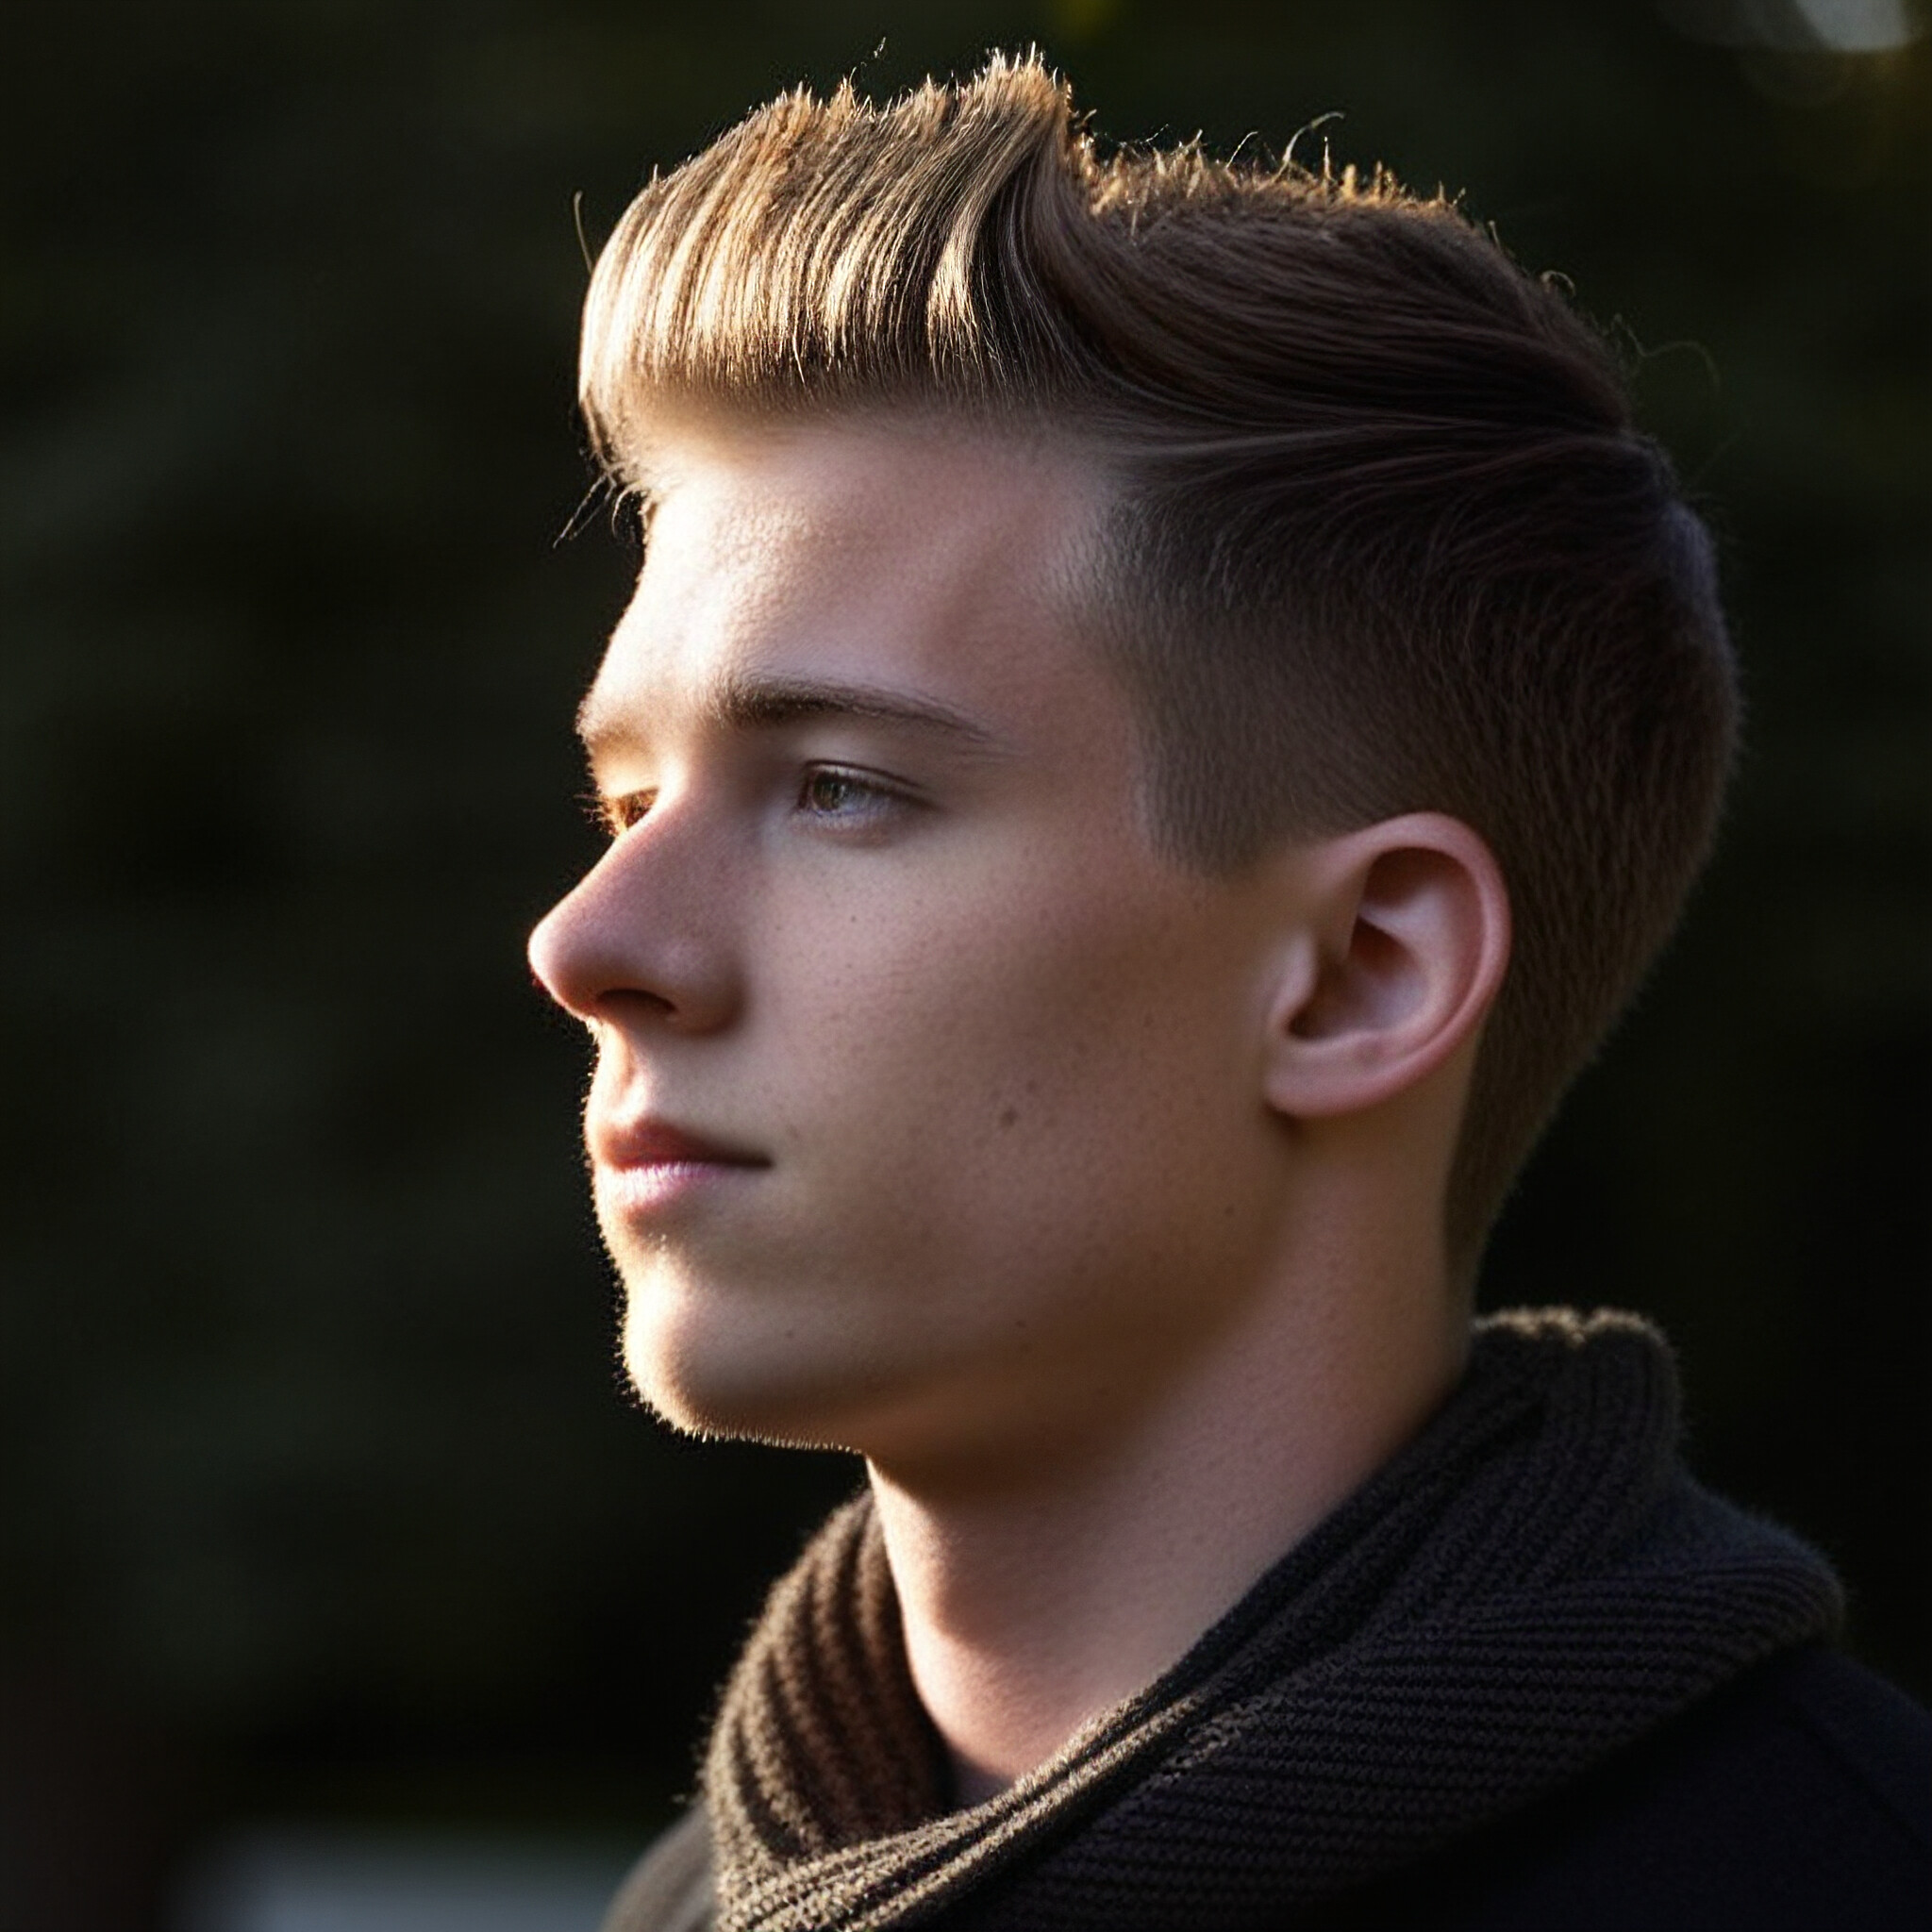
(1383, 537)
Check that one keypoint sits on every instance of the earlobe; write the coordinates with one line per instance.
(1402, 948)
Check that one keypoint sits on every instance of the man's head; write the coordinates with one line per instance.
(1120, 646)
(1376, 535)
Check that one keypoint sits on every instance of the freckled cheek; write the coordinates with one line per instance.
(980, 1013)
(910, 1033)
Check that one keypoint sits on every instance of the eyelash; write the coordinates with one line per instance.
(868, 795)
(871, 797)
(615, 815)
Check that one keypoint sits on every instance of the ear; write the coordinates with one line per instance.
(1402, 948)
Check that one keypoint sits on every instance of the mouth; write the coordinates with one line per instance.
(645, 1165)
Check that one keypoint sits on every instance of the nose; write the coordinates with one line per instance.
(642, 934)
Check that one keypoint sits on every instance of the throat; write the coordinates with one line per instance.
(1033, 1610)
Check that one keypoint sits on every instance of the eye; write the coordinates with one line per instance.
(839, 795)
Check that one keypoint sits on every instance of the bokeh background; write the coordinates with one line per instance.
(321, 1501)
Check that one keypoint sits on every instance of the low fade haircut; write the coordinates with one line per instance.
(1382, 538)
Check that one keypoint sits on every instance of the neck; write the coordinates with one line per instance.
(1038, 1598)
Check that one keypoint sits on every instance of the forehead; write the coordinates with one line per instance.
(925, 557)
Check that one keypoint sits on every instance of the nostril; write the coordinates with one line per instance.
(634, 1002)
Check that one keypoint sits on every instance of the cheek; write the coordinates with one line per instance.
(1008, 1042)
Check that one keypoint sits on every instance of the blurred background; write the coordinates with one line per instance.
(332, 1554)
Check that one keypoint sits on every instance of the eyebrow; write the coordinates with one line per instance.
(742, 703)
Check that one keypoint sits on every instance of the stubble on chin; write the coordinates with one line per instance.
(680, 1369)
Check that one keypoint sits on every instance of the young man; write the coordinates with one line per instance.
(1166, 708)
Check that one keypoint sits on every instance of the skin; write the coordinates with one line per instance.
(1096, 1201)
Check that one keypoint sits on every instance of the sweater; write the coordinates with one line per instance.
(1524, 1668)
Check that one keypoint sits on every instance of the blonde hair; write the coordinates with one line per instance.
(1384, 538)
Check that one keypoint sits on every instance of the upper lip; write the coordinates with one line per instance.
(652, 1143)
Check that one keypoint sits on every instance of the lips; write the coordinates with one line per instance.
(655, 1143)
(651, 1173)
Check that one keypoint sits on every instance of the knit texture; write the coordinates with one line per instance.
(1533, 1582)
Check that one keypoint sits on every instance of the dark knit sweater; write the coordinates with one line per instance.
(1524, 1600)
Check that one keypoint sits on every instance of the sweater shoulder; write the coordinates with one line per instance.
(1877, 1737)
(669, 1889)
(1799, 1796)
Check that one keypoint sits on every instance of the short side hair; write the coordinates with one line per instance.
(1385, 540)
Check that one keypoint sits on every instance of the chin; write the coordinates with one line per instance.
(714, 1386)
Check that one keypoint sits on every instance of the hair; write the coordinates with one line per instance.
(1384, 537)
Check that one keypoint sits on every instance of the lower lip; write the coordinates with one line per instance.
(659, 1184)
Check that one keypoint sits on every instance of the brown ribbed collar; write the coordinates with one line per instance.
(1531, 1583)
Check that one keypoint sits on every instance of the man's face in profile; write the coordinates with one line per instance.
(925, 1100)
